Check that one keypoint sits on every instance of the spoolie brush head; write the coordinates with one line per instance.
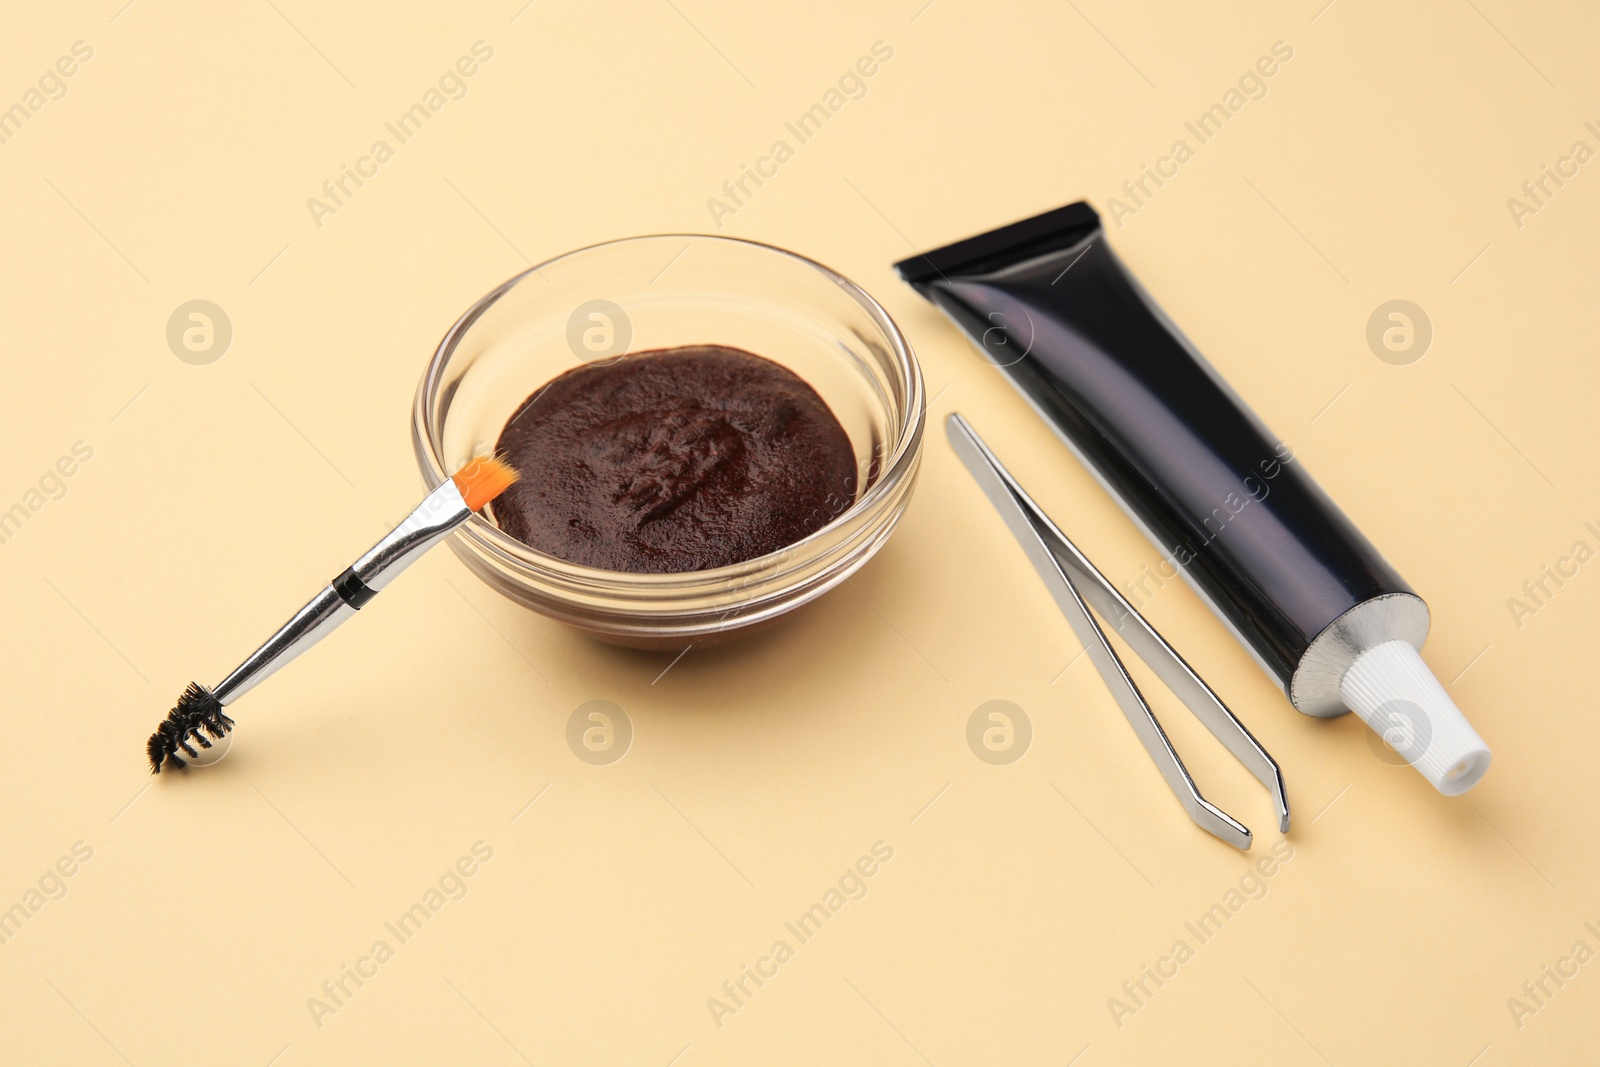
(197, 719)
(483, 479)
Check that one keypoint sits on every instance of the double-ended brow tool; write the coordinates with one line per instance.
(199, 729)
(1076, 584)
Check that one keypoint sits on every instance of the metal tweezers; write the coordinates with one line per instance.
(1072, 580)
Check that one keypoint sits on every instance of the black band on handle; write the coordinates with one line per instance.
(352, 590)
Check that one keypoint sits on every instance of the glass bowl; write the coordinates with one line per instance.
(641, 293)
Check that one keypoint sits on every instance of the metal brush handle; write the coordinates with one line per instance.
(439, 513)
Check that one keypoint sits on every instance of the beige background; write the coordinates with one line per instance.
(1019, 898)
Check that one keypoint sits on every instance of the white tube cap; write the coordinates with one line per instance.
(1393, 692)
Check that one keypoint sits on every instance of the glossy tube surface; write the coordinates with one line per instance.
(1048, 301)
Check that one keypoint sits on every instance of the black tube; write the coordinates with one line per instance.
(1048, 301)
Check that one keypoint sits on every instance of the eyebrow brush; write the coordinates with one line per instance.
(197, 731)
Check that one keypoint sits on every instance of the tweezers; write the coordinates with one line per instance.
(1072, 580)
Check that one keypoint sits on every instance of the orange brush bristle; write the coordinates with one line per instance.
(483, 479)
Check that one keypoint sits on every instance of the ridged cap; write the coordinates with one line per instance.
(1393, 692)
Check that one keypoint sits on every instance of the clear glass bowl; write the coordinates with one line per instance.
(658, 292)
